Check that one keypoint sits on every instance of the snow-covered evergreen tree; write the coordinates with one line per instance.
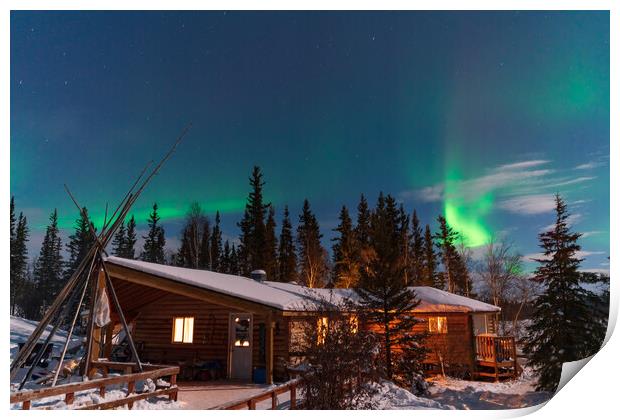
(47, 273)
(384, 296)
(563, 327)
(19, 258)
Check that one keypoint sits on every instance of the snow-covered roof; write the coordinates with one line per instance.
(435, 300)
(291, 296)
(237, 286)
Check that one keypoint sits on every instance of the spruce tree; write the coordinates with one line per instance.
(119, 241)
(80, 242)
(312, 255)
(362, 232)
(251, 251)
(563, 321)
(12, 222)
(429, 267)
(47, 273)
(287, 257)
(271, 246)
(417, 251)
(225, 261)
(345, 252)
(384, 296)
(205, 259)
(154, 241)
(19, 263)
(216, 244)
(129, 250)
(234, 261)
(455, 271)
(405, 245)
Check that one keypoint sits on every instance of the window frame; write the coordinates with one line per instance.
(174, 329)
(434, 325)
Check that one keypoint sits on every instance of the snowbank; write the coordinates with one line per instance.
(478, 395)
(392, 397)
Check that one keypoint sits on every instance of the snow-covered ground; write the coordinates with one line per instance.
(445, 393)
(478, 395)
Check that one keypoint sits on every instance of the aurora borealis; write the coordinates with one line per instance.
(480, 115)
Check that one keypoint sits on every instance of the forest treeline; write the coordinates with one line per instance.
(379, 250)
(428, 258)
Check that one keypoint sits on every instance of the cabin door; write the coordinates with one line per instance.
(240, 344)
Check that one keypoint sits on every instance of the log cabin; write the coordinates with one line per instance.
(220, 326)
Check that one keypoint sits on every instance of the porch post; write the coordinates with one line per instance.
(269, 350)
(96, 332)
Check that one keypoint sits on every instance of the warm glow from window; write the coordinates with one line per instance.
(183, 330)
(354, 323)
(321, 330)
(438, 325)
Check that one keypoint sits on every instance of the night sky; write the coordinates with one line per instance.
(481, 115)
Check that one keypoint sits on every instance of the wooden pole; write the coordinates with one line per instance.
(119, 310)
(64, 350)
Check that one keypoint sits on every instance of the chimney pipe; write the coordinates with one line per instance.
(258, 275)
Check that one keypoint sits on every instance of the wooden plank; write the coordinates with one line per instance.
(128, 400)
(95, 383)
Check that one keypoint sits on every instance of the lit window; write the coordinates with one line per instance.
(353, 323)
(242, 331)
(183, 330)
(438, 325)
(321, 325)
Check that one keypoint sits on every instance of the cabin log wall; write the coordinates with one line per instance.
(153, 330)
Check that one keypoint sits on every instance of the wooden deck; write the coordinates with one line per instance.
(496, 357)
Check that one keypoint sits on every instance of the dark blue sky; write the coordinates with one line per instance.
(481, 115)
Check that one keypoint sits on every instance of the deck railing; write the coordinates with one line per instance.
(495, 348)
(152, 372)
(250, 403)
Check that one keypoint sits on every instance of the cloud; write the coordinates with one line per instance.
(571, 220)
(529, 204)
(571, 181)
(591, 233)
(590, 165)
(524, 174)
(521, 165)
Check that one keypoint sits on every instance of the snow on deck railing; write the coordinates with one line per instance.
(250, 402)
(152, 372)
